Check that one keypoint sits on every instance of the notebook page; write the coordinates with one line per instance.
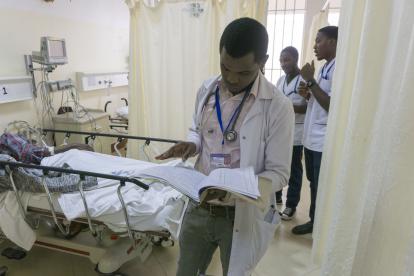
(184, 180)
(242, 181)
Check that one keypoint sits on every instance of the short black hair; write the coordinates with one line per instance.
(330, 32)
(245, 35)
(291, 51)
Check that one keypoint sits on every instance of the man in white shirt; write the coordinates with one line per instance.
(289, 84)
(240, 121)
(318, 94)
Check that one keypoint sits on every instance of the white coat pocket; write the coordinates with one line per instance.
(263, 233)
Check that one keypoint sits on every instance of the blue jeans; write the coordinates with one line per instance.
(295, 180)
(313, 165)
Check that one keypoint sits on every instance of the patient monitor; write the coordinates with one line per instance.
(52, 51)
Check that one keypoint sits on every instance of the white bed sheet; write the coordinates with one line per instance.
(168, 218)
(122, 112)
(12, 222)
(158, 208)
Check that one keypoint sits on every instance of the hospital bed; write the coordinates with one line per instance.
(114, 237)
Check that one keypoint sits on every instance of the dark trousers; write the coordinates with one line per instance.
(295, 180)
(202, 231)
(313, 166)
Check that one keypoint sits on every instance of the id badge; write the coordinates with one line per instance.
(220, 160)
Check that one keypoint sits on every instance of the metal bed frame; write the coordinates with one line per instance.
(46, 169)
(140, 241)
(91, 136)
(117, 122)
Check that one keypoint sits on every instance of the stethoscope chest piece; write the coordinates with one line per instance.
(230, 135)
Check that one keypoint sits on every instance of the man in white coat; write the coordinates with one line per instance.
(240, 120)
(318, 94)
(289, 84)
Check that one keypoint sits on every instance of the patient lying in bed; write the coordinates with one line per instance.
(23, 150)
(14, 147)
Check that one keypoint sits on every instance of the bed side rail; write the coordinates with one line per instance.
(97, 134)
(45, 169)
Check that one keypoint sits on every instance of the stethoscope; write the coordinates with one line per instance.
(324, 75)
(294, 88)
(229, 134)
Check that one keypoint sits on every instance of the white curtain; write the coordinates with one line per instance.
(319, 20)
(364, 220)
(174, 47)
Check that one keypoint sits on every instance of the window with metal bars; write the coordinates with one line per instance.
(333, 16)
(285, 19)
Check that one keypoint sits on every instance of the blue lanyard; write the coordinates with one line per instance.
(294, 89)
(327, 72)
(237, 111)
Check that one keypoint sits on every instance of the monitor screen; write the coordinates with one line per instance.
(56, 48)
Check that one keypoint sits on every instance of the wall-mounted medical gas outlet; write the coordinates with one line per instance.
(13, 89)
(95, 81)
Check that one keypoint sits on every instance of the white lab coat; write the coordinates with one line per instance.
(290, 91)
(266, 140)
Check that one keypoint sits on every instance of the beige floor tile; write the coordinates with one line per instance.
(82, 266)
(214, 268)
(136, 268)
(150, 261)
(166, 254)
(40, 261)
(170, 268)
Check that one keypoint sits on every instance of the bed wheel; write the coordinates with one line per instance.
(162, 241)
(156, 240)
(13, 253)
(116, 273)
(110, 274)
(167, 243)
(3, 271)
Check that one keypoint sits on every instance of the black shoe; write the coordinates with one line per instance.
(14, 253)
(303, 228)
(288, 213)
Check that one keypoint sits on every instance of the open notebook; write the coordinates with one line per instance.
(242, 183)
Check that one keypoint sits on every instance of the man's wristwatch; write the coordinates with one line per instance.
(310, 83)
